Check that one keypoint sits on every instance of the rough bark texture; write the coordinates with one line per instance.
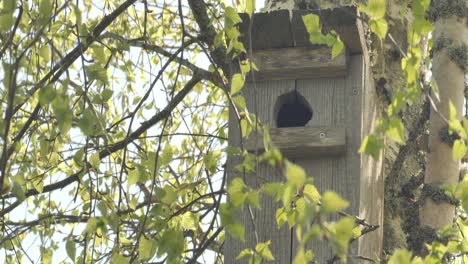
(403, 165)
(450, 33)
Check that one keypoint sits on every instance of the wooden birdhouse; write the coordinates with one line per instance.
(319, 110)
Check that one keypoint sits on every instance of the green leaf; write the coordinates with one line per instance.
(379, 27)
(166, 155)
(94, 160)
(330, 39)
(344, 229)
(246, 128)
(76, 16)
(343, 232)
(239, 101)
(6, 21)
(189, 221)
(357, 232)
(91, 225)
(6, 18)
(372, 145)
(47, 94)
(146, 248)
(454, 124)
(89, 123)
(171, 243)
(119, 259)
(375, 8)
(106, 95)
(452, 111)
(237, 83)
(44, 53)
(317, 38)
(400, 256)
(99, 54)
(288, 194)
(63, 112)
(45, 10)
(70, 247)
(435, 89)
(103, 208)
(421, 25)
(46, 256)
(250, 7)
(311, 192)
(133, 177)
(253, 198)
(245, 253)
(295, 174)
(303, 257)
(459, 149)
(333, 203)
(18, 191)
(237, 199)
(226, 212)
(231, 18)
(395, 130)
(272, 188)
(170, 195)
(78, 157)
(8, 6)
(312, 23)
(237, 230)
(337, 48)
(263, 250)
(398, 102)
(281, 217)
(38, 184)
(237, 185)
(97, 72)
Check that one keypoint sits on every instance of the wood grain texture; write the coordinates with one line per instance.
(342, 20)
(298, 63)
(277, 30)
(269, 30)
(300, 142)
(336, 103)
(260, 97)
(372, 175)
(345, 103)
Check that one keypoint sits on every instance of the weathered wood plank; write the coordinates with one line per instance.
(300, 142)
(336, 102)
(269, 30)
(372, 175)
(298, 63)
(277, 30)
(263, 223)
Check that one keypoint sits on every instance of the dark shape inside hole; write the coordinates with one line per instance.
(292, 110)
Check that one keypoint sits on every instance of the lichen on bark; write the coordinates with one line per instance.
(446, 8)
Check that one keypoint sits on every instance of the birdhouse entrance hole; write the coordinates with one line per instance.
(292, 110)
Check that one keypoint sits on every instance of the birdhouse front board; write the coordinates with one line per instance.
(318, 110)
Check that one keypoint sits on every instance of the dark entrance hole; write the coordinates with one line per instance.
(292, 110)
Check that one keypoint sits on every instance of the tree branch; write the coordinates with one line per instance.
(165, 113)
(208, 33)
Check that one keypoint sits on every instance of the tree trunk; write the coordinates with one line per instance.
(449, 34)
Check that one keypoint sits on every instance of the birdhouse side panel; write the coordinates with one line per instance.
(372, 178)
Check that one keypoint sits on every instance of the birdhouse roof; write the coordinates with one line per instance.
(277, 29)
